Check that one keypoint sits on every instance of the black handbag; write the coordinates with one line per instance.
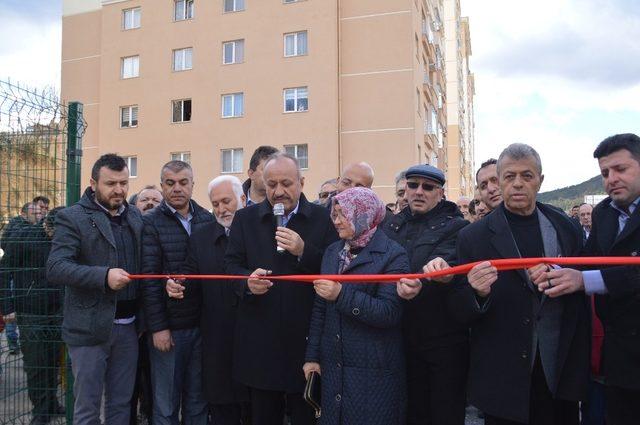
(312, 393)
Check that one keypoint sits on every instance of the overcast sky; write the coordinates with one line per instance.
(560, 75)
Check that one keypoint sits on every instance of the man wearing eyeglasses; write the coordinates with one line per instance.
(327, 190)
(436, 347)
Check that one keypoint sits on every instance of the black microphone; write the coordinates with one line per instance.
(278, 213)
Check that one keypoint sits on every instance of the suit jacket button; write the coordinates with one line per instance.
(634, 254)
(526, 321)
(338, 397)
(524, 355)
(355, 311)
(338, 337)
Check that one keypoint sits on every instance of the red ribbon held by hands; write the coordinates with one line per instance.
(500, 264)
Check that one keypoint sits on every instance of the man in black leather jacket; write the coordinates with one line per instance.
(436, 346)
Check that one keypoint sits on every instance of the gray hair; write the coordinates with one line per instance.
(518, 151)
(402, 175)
(176, 166)
(330, 181)
(236, 185)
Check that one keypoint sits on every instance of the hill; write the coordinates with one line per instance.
(568, 196)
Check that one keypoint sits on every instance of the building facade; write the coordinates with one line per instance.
(460, 93)
(330, 81)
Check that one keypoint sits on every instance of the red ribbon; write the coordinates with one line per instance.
(500, 264)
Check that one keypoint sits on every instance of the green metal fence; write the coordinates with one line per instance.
(40, 142)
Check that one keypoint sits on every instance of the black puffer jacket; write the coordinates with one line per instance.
(427, 321)
(164, 250)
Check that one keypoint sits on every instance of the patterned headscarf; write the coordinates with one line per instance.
(364, 210)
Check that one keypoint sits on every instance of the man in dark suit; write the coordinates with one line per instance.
(219, 305)
(529, 353)
(273, 317)
(615, 231)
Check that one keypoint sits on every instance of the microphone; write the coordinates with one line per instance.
(278, 213)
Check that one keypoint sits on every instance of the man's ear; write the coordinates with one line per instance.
(94, 184)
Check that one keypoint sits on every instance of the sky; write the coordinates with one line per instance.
(560, 75)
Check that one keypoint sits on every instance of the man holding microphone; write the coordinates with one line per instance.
(273, 317)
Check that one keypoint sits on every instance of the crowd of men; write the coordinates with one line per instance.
(548, 345)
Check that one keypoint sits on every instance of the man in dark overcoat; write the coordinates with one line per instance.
(529, 353)
(273, 317)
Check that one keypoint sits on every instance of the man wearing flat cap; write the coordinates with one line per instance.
(436, 346)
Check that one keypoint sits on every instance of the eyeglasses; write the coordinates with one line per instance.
(325, 195)
(427, 187)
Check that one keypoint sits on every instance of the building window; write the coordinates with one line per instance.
(182, 59)
(129, 116)
(434, 122)
(132, 165)
(232, 105)
(295, 44)
(231, 160)
(131, 18)
(181, 110)
(181, 156)
(233, 5)
(233, 52)
(300, 152)
(296, 99)
(290, 1)
(130, 67)
(183, 10)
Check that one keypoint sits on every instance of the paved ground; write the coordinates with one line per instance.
(15, 406)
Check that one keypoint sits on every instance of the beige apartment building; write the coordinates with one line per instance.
(460, 92)
(208, 81)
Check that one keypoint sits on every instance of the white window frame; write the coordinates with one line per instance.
(134, 65)
(182, 120)
(296, 99)
(184, 156)
(295, 153)
(234, 52)
(235, 7)
(296, 43)
(130, 160)
(126, 25)
(233, 97)
(130, 109)
(233, 152)
(180, 63)
(291, 1)
(187, 11)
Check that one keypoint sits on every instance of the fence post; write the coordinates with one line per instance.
(74, 151)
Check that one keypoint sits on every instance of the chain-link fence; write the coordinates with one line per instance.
(39, 171)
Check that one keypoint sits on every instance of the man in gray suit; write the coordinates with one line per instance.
(95, 247)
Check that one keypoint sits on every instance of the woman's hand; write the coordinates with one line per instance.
(408, 288)
(327, 289)
(309, 367)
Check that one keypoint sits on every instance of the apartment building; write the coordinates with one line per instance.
(208, 81)
(460, 92)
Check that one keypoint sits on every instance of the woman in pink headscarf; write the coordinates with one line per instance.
(355, 341)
